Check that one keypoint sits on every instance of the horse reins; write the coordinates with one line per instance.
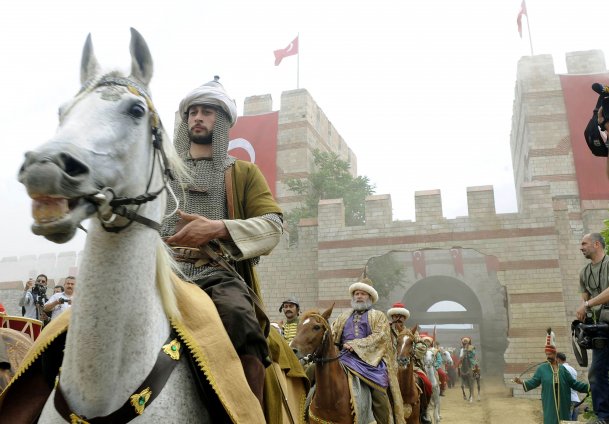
(108, 205)
(316, 357)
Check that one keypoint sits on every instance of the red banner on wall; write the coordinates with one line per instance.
(418, 264)
(457, 257)
(254, 139)
(579, 102)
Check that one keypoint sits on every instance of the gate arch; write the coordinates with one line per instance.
(463, 276)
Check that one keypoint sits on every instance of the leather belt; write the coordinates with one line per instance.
(193, 256)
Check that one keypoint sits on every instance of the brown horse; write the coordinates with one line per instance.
(331, 401)
(410, 387)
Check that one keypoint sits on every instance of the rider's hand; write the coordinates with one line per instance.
(580, 312)
(348, 347)
(197, 230)
(29, 284)
(517, 380)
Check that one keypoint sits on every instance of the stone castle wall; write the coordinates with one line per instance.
(520, 269)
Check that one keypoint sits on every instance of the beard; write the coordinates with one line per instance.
(200, 139)
(361, 306)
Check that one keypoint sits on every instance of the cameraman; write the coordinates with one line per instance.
(594, 287)
(61, 301)
(34, 297)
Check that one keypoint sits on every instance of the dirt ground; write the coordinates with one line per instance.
(496, 406)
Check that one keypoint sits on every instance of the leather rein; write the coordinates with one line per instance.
(317, 356)
(108, 205)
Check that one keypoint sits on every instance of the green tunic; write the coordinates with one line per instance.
(552, 404)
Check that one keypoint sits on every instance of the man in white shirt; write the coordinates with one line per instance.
(561, 358)
(59, 302)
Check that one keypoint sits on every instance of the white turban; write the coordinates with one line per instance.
(212, 94)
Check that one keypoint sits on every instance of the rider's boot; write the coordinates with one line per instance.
(254, 373)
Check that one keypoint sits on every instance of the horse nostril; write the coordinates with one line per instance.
(72, 166)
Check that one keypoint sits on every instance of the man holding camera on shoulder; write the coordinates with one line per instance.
(594, 286)
(61, 301)
(34, 298)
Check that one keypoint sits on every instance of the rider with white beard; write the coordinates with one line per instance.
(364, 335)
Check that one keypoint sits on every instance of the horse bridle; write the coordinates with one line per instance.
(405, 361)
(316, 357)
(108, 205)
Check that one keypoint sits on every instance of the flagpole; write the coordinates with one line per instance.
(529, 29)
(298, 62)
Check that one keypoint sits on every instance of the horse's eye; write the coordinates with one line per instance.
(137, 110)
(317, 327)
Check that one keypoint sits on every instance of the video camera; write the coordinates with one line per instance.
(592, 134)
(62, 300)
(588, 335)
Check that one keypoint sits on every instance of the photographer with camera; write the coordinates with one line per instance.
(34, 298)
(61, 301)
(594, 286)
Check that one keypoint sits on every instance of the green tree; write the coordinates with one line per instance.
(386, 272)
(330, 180)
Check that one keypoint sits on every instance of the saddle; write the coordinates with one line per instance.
(215, 361)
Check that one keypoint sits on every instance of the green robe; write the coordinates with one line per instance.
(551, 404)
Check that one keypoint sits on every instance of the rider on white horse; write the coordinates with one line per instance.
(228, 203)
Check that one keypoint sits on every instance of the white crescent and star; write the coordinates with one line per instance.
(242, 143)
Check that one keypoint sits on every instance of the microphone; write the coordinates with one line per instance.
(599, 89)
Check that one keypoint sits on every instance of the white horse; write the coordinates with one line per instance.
(432, 374)
(109, 137)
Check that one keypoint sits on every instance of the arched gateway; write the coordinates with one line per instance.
(422, 278)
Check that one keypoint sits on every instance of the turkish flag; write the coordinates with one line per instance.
(418, 264)
(254, 139)
(290, 50)
(523, 11)
(457, 256)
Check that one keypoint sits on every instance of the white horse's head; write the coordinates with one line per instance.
(108, 146)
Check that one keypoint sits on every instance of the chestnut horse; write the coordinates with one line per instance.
(411, 386)
(331, 401)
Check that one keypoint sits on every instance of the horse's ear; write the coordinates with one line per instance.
(328, 312)
(88, 64)
(414, 329)
(141, 59)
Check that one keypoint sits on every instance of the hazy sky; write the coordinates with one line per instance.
(422, 92)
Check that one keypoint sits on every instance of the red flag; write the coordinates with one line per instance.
(254, 139)
(492, 263)
(457, 256)
(418, 264)
(290, 50)
(523, 11)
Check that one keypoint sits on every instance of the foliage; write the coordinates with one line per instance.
(387, 273)
(605, 234)
(331, 179)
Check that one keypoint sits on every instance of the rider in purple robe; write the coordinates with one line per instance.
(367, 351)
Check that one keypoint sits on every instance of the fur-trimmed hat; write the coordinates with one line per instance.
(398, 309)
(426, 337)
(365, 284)
(550, 346)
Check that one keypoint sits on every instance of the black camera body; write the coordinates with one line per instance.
(590, 335)
(63, 300)
(592, 133)
(39, 291)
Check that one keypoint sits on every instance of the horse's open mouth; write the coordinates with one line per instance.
(57, 218)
